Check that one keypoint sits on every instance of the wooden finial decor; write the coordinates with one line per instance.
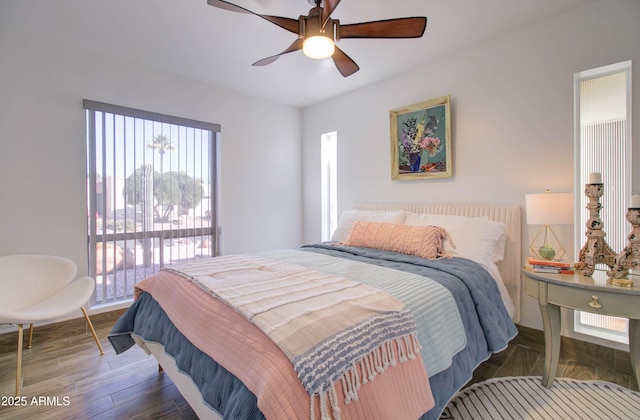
(595, 250)
(629, 258)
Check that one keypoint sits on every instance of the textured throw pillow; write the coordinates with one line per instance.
(422, 241)
(348, 217)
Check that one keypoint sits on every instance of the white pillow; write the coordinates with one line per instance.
(498, 249)
(475, 238)
(349, 217)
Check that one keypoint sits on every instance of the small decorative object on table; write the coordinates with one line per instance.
(629, 258)
(596, 250)
(538, 265)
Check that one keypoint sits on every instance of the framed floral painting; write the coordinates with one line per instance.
(421, 140)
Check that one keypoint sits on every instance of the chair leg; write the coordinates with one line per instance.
(93, 332)
(30, 336)
(19, 361)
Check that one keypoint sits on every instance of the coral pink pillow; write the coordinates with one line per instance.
(422, 241)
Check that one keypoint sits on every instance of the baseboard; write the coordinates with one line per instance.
(60, 330)
(93, 312)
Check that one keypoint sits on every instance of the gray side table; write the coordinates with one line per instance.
(583, 293)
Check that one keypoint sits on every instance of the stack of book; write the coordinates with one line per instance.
(549, 266)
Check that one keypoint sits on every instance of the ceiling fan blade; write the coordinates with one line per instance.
(221, 4)
(346, 66)
(297, 45)
(328, 7)
(409, 27)
(291, 25)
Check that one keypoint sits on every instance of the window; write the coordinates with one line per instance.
(151, 195)
(603, 144)
(329, 176)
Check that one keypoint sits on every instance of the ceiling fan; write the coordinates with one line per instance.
(317, 32)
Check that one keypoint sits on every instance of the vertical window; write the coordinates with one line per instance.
(329, 176)
(603, 144)
(151, 201)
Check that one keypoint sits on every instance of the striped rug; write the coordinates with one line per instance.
(524, 397)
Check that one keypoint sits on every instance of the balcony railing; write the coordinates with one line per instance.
(121, 260)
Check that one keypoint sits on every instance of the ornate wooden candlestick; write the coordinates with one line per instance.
(629, 258)
(596, 250)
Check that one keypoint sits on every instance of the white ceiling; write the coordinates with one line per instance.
(193, 39)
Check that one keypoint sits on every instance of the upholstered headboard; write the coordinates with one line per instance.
(510, 214)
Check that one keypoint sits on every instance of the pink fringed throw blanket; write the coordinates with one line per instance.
(402, 393)
(333, 330)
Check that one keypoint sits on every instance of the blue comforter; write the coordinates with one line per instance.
(487, 325)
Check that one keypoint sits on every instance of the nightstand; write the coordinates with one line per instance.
(583, 293)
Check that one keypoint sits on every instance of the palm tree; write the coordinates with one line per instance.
(161, 143)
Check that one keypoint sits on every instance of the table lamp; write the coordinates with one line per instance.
(548, 209)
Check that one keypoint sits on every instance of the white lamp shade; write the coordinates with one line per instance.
(318, 47)
(549, 208)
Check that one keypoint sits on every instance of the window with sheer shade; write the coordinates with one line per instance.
(603, 144)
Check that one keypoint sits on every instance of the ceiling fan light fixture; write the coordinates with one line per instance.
(318, 31)
(318, 47)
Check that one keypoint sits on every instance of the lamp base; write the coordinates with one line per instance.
(546, 245)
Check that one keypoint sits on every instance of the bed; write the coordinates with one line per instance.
(435, 319)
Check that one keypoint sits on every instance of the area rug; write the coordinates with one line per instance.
(524, 397)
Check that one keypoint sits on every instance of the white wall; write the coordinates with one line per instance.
(43, 152)
(512, 112)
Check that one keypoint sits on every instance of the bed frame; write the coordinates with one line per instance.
(510, 270)
(181, 380)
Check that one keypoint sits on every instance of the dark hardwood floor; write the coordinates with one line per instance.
(64, 377)
(578, 359)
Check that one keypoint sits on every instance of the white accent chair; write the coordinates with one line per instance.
(40, 288)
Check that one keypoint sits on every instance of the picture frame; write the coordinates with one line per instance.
(421, 140)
